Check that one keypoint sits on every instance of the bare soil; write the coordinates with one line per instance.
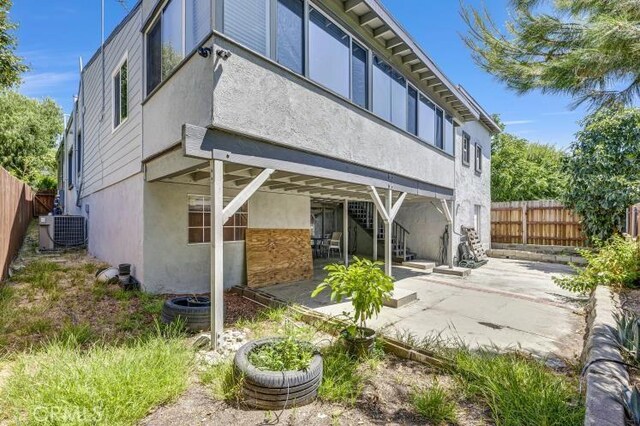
(384, 401)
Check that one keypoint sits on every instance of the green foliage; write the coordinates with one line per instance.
(11, 65)
(631, 400)
(615, 263)
(523, 170)
(628, 334)
(435, 404)
(342, 381)
(41, 274)
(604, 170)
(284, 355)
(28, 132)
(224, 380)
(364, 282)
(587, 49)
(520, 391)
(104, 385)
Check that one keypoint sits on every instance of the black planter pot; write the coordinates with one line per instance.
(362, 343)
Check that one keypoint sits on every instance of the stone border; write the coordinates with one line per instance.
(308, 315)
(535, 256)
(604, 381)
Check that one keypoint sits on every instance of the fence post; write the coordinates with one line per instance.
(525, 237)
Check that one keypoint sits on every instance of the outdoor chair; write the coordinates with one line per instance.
(334, 244)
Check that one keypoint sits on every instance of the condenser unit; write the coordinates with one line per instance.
(58, 232)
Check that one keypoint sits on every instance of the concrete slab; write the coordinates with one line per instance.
(401, 297)
(455, 271)
(420, 264)
(507, 303)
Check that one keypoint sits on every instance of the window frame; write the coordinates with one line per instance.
(79, 148)
(207, 198)
(466, 149)
(478, 158)
(118, 70)
(70, 167)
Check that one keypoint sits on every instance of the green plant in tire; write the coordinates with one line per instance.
(286, 354)
(364, 283)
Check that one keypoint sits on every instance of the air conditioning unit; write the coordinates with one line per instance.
(58, 232)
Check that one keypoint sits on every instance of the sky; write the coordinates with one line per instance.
(54, 34)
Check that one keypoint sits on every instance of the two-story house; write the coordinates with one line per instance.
(213, 140)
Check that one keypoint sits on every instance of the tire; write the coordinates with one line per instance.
(273, 390)
(195, 311)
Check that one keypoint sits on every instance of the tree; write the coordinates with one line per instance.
(604, 170)
(11, 65)
(29, 129)
(523, 170)
(588, 49)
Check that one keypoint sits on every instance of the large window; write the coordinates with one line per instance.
(182, 24)
(426, 120)
(448, 134)
(329, 54)
(439, 128)
(199, 225)
(359, 75)
(120, 95)
(412, 110)
(79, 153)
(389, 93)
(290, 34)
(247, 21)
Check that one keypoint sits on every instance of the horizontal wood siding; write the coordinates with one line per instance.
(112, 156)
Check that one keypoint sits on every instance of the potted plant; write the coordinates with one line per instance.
(367, 286)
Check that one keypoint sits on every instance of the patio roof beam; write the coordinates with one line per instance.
(245, 194)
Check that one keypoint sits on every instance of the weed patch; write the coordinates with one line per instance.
(434, 404)
(223, 380)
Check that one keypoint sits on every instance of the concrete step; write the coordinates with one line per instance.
(455, 271)
(420, 264)
(401, 297)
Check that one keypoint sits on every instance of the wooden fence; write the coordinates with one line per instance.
(535, 222)
(16, 210)
(43, 202)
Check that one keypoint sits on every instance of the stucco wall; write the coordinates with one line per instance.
(171, 264)
(426, 225)
(255, 96)
(115, 221)
(473, 188)
(270, 210)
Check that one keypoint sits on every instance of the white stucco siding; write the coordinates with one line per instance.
(257, 97)
(112, 155)
(172, 265)
(115, 222)
(426, 225)
(268, 210)
(474, 188)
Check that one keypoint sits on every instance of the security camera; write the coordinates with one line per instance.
(223, 53)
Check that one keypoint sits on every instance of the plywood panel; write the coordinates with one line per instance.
(277, 256)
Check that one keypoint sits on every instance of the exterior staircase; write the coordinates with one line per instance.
(362, 213)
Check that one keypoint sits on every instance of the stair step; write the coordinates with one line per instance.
(455, 271)
(419, 264)
(401, 297)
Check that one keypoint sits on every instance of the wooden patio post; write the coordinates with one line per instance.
(345, 229)
(387, 234)
(217, 274)
(375, 233)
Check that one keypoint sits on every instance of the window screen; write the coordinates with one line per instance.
(359, 76)
(381, 88)
(290, 34)
(426, 120)
(172, 50)
(448, 134)
(439, 128)
(120, 95)
(198, 22)
(247, 21)
(154, 56)
(412, 111)
(329, 54)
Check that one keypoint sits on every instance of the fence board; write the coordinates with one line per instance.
(16, 210)
(545, 222)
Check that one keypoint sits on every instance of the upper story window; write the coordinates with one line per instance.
(120, 94)
(79, 153)
(466, 148)
(70, 169)
(277, 28)
(478, 158)
(179, 28)
(329, 54)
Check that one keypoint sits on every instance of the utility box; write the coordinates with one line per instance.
(58, 232)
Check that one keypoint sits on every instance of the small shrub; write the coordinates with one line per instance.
(628, 334)
(435, 405)
(284, 355)
(615, 263)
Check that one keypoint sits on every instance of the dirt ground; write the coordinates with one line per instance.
(384, 401)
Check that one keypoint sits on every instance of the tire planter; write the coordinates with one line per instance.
(277, 390)
(360, 346)
(195, 311)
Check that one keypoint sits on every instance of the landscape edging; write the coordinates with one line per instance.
(604, 381)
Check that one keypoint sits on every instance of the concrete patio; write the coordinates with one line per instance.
(507, 303)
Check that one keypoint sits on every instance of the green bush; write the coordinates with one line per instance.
(615, 263)
(435, 404)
